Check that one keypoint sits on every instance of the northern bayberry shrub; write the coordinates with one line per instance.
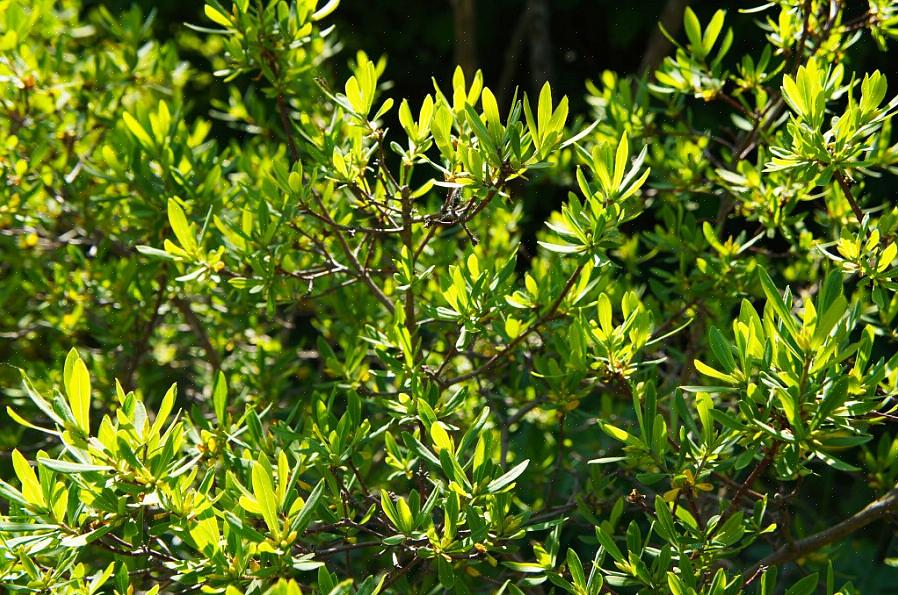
(300, 340)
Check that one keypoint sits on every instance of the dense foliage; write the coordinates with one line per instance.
(321, 352)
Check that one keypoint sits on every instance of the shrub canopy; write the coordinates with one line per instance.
(306, 340)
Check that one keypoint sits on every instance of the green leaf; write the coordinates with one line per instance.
(205, 533)
(712, 31)
(506, 479)
(604, 305)
(78, 390)
(544, 109)
(441, 439)
(804, 586)
(776, 300)
(137, 130)
(666, 527)
(833, 398)
(306, 515)
(575, 567)
(31, 487)
(178, 221)
(722, 350)
(263, 490)
(69, 467)
(168, 402)
(216, 16)
(707, 370)
(220, 397)
(325, 10)
(490, 108)
(693, 31)
(445, 572)
(607, 542)
(386, 504)
(620, 161)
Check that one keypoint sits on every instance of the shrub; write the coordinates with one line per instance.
(382, 384)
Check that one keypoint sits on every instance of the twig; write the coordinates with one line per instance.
(870, 513)
(550, 488)
(141, 345)
(658, 45)
(288, 127)
(518, 416)
(360, 271)
(845, 185)
(495, 359)
(746, 485)
(199, 331)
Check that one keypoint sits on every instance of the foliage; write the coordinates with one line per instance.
(322, 353)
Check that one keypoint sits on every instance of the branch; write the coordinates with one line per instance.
(746, 486)
(541, 69)
(658, 45)
(360, 270)
(465, 23)
(512, 54)
(288, 127)
(197, 327)
(141, 346)
(845, 185)
(491, 362)
(870, 513)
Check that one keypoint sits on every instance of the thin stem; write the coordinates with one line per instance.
(518, 416)
(283, 112)
(550, 488)
(141, 346)
(746, 485)
(360, 271)
(409, 243)
(870, 513)
(199, 331)
(498, 357)
(845, 185)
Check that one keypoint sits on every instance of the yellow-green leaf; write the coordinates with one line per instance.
(78, 392)
(205, 533)
(137, 130)
(707, 370)
(264, 492)
(440, 437)
(178, 221)
(31, 487)
(165, 408)
(217, 16)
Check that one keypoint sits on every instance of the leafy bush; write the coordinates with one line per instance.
(382, 383)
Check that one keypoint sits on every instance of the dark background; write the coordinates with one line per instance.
(517, 43)
(582, 37)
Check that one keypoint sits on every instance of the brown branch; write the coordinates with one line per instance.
(141, 346)
(746, 486)
(408, 242)
(512, 55)
(199, 331)
(870, 513)
(805, 32)
(845, 185)
(283, 112)
(658, 45)
(541, 69)
(360, 270)
(465, 22)
(498, 357)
